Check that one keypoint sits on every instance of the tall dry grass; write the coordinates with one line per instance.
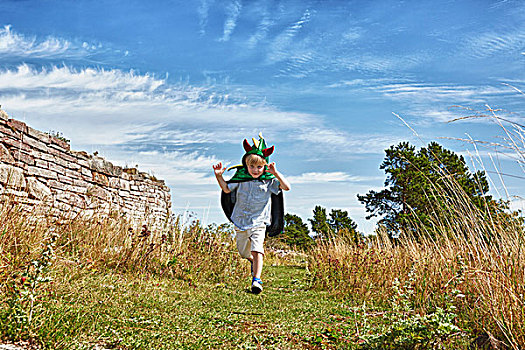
(187, 251)
(477, 260)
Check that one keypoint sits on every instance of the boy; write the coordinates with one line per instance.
(253, 185)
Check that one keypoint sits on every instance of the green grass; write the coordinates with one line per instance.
(141, 312)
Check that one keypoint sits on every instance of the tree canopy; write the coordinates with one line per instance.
(296, 233)
(338, 223)
(419, 184)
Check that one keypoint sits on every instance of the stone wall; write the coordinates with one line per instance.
(39, 171)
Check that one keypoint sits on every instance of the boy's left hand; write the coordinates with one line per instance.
(272, 169)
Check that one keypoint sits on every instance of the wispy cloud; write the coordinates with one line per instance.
(330, 142)
(88, 79)
(279, 49)
(262, 30)
(491, 43)
(13, 44)
(142, 107)
(233, 10)
(202, 12)
(451, 93)
(336, 176)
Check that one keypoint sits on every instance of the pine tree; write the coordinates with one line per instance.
(319, 222)
(296, 233)
(419, 186)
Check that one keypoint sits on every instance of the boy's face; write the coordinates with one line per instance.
(255, 170)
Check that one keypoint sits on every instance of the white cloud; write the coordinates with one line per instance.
(84, 80)
(202, 11)
(329, 142)
(518, 203)
(487, 44)
(279, 49)
(262, 30)
(19, 45)
(336, 176)
(233, 12)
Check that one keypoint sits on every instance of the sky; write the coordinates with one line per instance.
(173, 87)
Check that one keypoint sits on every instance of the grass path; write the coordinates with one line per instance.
(132, 312)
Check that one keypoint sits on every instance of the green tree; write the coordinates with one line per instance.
(319, 222)
(296, 233)
(342, 225)
(420, 184)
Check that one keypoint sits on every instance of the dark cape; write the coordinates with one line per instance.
(276, 211)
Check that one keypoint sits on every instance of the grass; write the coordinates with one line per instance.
(90, 308)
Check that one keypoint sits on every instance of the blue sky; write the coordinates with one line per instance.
(175, 86)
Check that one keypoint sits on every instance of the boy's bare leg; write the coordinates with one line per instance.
(257, 264)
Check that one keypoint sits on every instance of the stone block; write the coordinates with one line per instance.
(23, 157)
(101, 165)
(67, 157)
(124, 184)
(71, 199)
(83, 162)
(18, 125)
(81, 155)
(5, 156)
(100, 178)
(57, 185)
(71, 165)
(37, 189)
(81, 183)
(34, 143)
(59, 152)
(65, 179)
(11, 176)
(73, 174)
(57, 168)
(98, 192)
(15, 143)
(114, 182)
(123, 193)
(77, 189)
(45, 173)
(43, 156)
(86, 172)
(6, 130)
(38, 135)
(3, 115)
(41, 163)
(60, 143)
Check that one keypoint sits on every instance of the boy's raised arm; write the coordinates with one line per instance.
(219, 170)
(284, 184)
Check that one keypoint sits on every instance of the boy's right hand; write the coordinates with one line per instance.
(218, 169)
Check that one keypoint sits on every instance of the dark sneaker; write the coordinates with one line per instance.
(257, 286)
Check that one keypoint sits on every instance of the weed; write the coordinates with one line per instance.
(404, 328)
(24, 291)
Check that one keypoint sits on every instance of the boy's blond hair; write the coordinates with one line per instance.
(256, 160)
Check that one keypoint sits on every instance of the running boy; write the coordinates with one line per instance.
(252, 186)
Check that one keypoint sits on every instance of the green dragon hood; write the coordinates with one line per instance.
(259, 148)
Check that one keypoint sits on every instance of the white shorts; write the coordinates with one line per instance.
(251, 240)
